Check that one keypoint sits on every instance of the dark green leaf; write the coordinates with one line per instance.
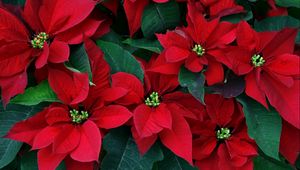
(79, 60)
(194, 82)
(278, 23)
(172, 162)
(14, 2)
(35, 95)
(117, 39)
(151, 45)
(263, 162)
(122, 152)
(158, 17)
(288, 3)
(235, 18)
(263, 126)
(29, 162)
(120, 59)
(8, 117)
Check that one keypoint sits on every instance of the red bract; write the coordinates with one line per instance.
(290, 142)
(221, 140)
(267, 60)
(53, 25)
(197, 45)
(157, 110)
(72, 132)
(216, 8)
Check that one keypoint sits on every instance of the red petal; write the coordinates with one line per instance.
(193, 63)
(253, 89)
(58, 16)
(239, 60)
(26, 130)
(48, 160)
(285, 100)
(111, 5)
(114, 93)
(43, 57)
(10, 88)
(134, 11)
(111, 116)
(45, 137)
(67, 140)
(58, 52)
(70, 87)
(214, 73)
(144, 121)
(31, 9)
(179, 139)
(290, 142)
(246, 36)
(219, 109)
(132, 84)
(76, 34)
(175, 54)
(285, 64)
(203, 147)
(75, 165)
(14, 61)
(240, 147)
(100, 71)
(144, 144)
(13, 24)
(162, 116)
(90, 143)
(57, 115)
(283, 42)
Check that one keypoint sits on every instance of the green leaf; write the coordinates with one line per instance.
(122, 152)
(263, 126)
(172, 162)
(14, 2)
(288, 3)
(236, 18)
(35, 95)
(8, 117)
(120, 60)
(263, 162)
(278, 23)
(79, 60)
(158, 17)
(151, 45)
(117, 39)
(194, 82)
(29, 162)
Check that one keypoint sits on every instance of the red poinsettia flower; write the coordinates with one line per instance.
(72, 132)
(221, 140)
(267, 60)
(216, 8)
(157, 110)
(197, 46)
(53, 25)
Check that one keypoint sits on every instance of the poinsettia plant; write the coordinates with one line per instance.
(149, 85)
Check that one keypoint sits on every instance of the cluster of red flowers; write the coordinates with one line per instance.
(210, 136)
